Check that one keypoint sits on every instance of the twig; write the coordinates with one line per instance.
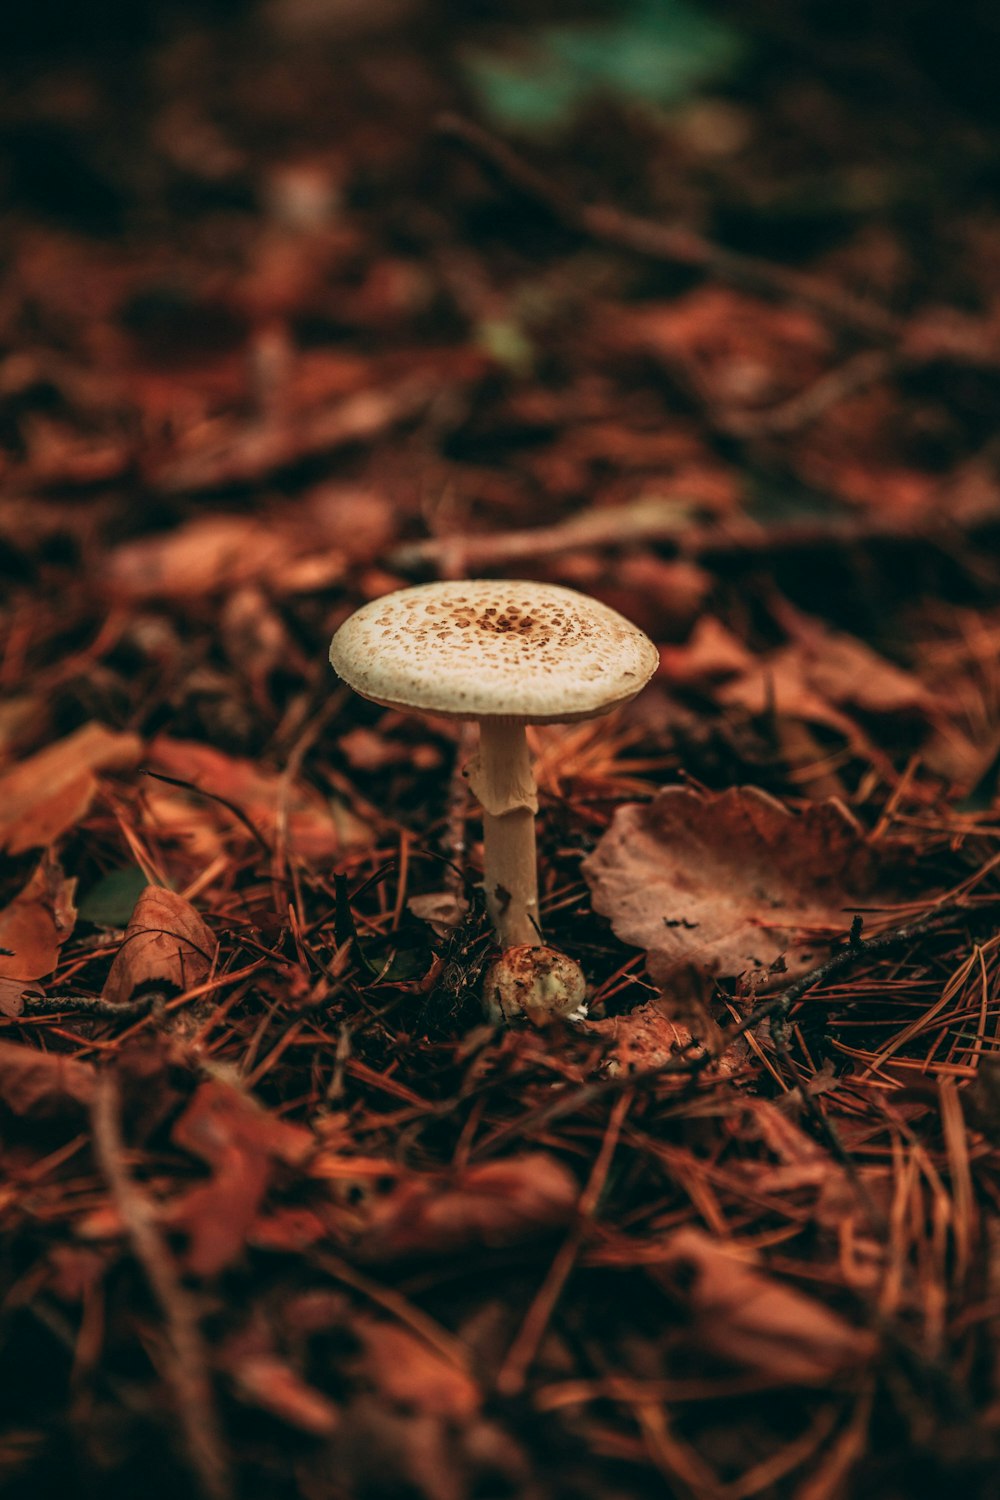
(513, 1372)
(679, 245)
(200, 791)
(94, 1005)
(187, 1366)
(665, 520)
(854, 375)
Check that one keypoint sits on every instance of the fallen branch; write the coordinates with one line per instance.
(664, 520)
(679, 245)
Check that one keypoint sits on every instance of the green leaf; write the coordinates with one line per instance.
(657, 51)
(109, 903)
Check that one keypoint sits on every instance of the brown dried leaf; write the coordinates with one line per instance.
(499, 1203)
(208, 553)
(810, 680)
(44, 796)
(166, 945)
(36, 923)
(240, 1143)
(712, 653)
(748, 1318)
(245, 453)
(269, 1383)
(43, 1083)
(731, 882)
(407, 1370)
(315, 829)
(647, 1038)
(296, 552)
(737, 350)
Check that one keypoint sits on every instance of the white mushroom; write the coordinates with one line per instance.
(506, 653)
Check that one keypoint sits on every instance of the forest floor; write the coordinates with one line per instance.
(292, 315)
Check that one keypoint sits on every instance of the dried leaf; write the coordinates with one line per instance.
(736, 350)
(269, 1383)
(407, 1370)
(743, 1315)
(206, 554)
(731, 882)
(812, 681)
(240, 1143)
(246, 453)
(166, 946)
(43, 1083)
(314, 828)
(646, 1038)
(496, 1204)
(36, 923)
(712, 653)
(43, 797)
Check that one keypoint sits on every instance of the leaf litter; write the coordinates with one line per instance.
(280, 1212)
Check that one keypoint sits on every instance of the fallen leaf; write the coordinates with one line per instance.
(246, 453)
(271, 1385)
(43, 1083)
(712, 653)
(166, 946)
(833, 671)
(36, 923)
(405, 1369)
(731, 882)
(443, 911)
(44, 796)
(497, 1204)
(742, 1315)
(646, 1038)
(737, 351)
(315, 829)
(240, 1143)
(206, 554)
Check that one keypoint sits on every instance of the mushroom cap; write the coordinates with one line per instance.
(493, 649)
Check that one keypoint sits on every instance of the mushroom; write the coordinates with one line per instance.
(506, 653)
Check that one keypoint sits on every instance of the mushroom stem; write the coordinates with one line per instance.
(502, 779)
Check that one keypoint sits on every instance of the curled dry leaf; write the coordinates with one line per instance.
(746, 1317)
(49, 793)
(35, 924)
(731, 882)
(205, 554)
(499, 1203)
(736, 350)
(820, 677)
(166, 946)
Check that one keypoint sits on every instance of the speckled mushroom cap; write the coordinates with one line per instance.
(493, 648)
